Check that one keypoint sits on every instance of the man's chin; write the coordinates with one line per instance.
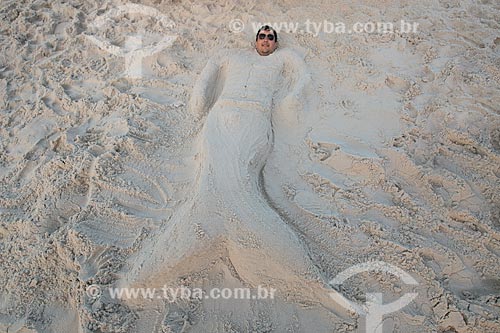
(265, 52)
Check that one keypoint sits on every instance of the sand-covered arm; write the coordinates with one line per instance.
(296, 69)
(203, 92)
(298, 77)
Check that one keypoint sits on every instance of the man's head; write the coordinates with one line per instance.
(266, 40)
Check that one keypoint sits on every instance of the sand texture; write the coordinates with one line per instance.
(148, 144)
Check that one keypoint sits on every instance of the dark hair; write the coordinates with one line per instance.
(267, 27)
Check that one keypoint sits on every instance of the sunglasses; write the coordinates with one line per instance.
(263, 36)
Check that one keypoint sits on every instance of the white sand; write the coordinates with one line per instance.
(393, 157)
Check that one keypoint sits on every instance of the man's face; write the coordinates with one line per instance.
(265, 46)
